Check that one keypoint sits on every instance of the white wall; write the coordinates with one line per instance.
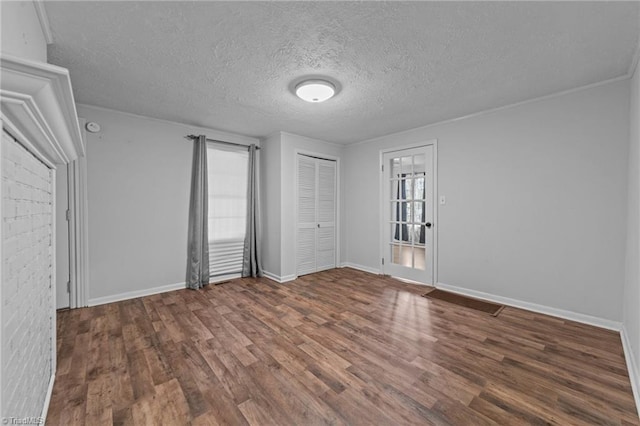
(631, 318)
(270, 155)
(279, 201)
(21, 31)
(535, 200)
(139, 177)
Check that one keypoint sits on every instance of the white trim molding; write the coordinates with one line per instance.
(360, 268)
(547, 310)
(308, 139)
(79, 228)
(37, 100)
(47, 399)
(278, 278)
(492, 110)
(44, 21)
(211, 133)
(135, 294)
(632, 367)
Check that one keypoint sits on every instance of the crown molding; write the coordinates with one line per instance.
(38, 106)
(194, 129)
(492, 110)
(312, 140)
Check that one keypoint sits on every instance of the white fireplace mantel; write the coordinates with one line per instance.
(38, 109)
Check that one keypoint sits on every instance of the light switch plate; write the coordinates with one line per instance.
(443, 200)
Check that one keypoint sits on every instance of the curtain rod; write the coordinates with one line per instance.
(192, 137)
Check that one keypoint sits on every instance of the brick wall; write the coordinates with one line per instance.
(27, 288)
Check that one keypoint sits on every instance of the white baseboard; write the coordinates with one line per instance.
(360, 267)
(137, 293)
(278, 278)
(569, 315)
(287, 278)
(272, 277)
(632, 367)
(47, 399)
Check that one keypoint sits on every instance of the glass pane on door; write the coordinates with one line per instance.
(419, 258)
(407, 165)
(395, 254)
(407, 189)
(418, 188)
(419, 165)
(395, 168)
(402, 255)
(418, 212)
(407, 212)
(396, 233)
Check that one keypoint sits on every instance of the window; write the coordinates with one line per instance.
(227, 179)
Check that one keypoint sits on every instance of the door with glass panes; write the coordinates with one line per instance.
(408, 203)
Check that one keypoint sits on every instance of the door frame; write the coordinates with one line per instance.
(436, 205)
(321, 156)
(78, 228)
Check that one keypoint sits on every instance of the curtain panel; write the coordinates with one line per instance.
(198, 232)
(251, 264)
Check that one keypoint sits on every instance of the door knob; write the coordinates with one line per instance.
(318, 225)
(428, 224)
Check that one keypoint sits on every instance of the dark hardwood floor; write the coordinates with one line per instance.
(337, 347)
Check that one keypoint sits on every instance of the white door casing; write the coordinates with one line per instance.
(62, 242)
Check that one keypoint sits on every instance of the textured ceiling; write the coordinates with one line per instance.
(230, 65)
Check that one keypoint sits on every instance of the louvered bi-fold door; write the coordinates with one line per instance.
(307, 195)
(326, 215)
(316, 221)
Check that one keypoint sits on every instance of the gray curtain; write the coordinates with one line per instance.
(251, 264)
(198, 252)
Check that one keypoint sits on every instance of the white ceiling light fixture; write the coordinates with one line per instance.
(315, 90)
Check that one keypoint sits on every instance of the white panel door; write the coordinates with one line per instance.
(408, 228)
(316, 219)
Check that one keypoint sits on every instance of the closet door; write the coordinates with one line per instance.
(316, 221)
(326, 215)
(306, 221)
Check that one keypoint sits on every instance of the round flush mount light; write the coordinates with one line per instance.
(315, 90)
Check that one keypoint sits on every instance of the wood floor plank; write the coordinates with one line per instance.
(332, 348)
(255, 414)
(167, 406)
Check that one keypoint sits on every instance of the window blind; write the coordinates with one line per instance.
(227, 179)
